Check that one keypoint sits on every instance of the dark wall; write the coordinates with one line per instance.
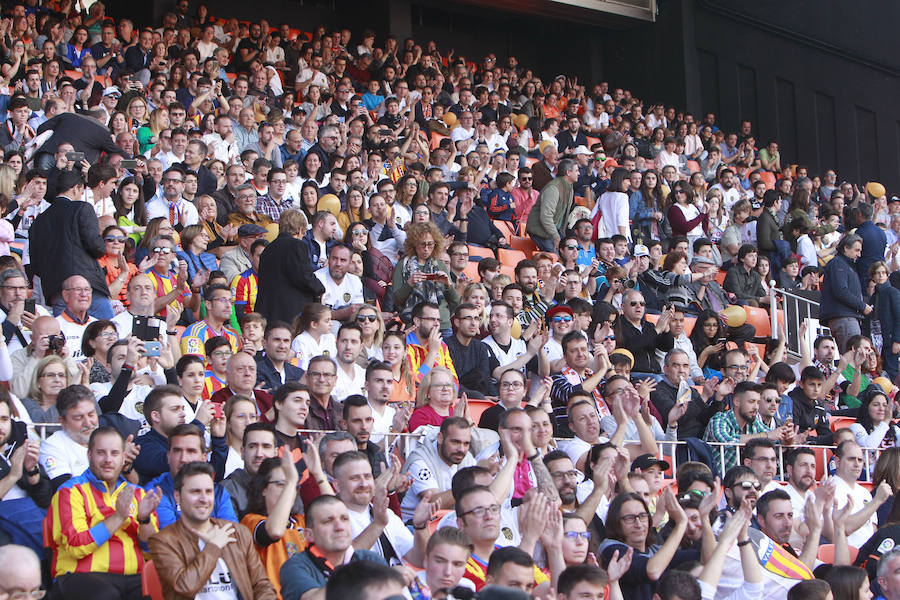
(807, 79)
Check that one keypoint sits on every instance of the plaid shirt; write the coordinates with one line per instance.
(267, 206)
(723, 427)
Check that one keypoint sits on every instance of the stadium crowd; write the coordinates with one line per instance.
(304, 316)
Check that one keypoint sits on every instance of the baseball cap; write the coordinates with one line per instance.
(645, 461)
(610, 162)
(249, 229)
(641, 250)
(582, 151)
(559, 309)
(112, 91)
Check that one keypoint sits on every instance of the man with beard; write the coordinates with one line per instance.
(801, 473)
(741, 424)
(21, 475)
(434, 462)
(186, 445)
(730, 193)
(375, 526)
(204, 556)
(566, 479)
(96, 545)
(775, 516)
(358, 422)
(739, 483)
(533, 305)
(472, 358)
(424, 346)
(272, 367)
(259, 443)
(511, 353)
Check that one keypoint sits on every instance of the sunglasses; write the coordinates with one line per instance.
(571, 247)
(634, 303)
(364, 318)
(747, 485)
(562, 319)
(159, 250)
(114, 238)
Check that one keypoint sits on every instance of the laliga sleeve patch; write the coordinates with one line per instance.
(885, 546)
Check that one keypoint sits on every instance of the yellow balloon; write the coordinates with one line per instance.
(884, 383)
(734, 316)
(521, 120)
(875, 189)
(331, 203)
(516, 330)
(449, 118)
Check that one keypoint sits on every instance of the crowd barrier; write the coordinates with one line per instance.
(796, 308)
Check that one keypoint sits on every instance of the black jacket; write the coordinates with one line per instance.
(41, 492)
(287, 281)
(65, 241)
(86, 134)
(698, 413)
(267, 377)
(810, 415)
(643, 344)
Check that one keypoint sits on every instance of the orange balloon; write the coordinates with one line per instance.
(449, 119)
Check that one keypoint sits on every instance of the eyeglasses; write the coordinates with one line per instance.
(320, 375)
(679, 191)
(747, 485)
(481, 511)
(173, 180)
(114, 238)
(571, 247)
(634, 303)
(632, 519)
(364, 318)
(159, 250)
(110, 335)
(575, 535)
(738, 367)
(221, 354)
(443, 386)
(512, 385)
(80, 290)
(15, 288)
(562, 319)
(360, 232)
(526, 178)
(53, 375)
(23, 595)
(426, 244)
(775, 400)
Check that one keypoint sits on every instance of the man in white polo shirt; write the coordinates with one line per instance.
(74, 319)
(343, 290)
(862, 521)
(65, 453)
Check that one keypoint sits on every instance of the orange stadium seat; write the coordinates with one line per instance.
(482, 252)
(720, 277)
(477, 408)
(693, 166)
(510, 257)
(759, 318)
(768, 178)
(436, 519)
(508, 271)
(507, 228)
(436, 139)
(471, 271)
(150, 585)
(523, 244)
(689, 323)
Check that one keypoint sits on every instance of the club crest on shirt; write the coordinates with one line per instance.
(139, 407)
(507, 533)
(346, 296)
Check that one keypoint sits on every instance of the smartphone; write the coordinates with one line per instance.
(152, 348)
(218, 411)
(721, 341)
(75, 156)
(143, 330)
(431, 276)
(30, 305)
(129, 163)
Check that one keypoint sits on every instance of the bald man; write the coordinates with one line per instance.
(241, 376)
(24, 360)
(20, 571)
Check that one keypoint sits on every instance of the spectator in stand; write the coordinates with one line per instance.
(548, 217)
(843, 304)
(103, 559)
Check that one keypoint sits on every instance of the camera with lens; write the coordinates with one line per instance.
(55, 344)
(626, 283)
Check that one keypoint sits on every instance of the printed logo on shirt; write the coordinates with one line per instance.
(193, 346)
(346, 296)
(507, 533)
(424, 474)
(139, 407)
(886, 546)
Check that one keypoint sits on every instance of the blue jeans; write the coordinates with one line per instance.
(544, 244)
(101, 308)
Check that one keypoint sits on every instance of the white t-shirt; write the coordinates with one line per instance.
(861, 496)
(517, 348)
(233, 461)
(509, 525)
(382, 424)
(553, 349)
(425, 478)
(338, 295)
(346, 385)
(61, 455)
(73, 333)
(729, 196)
(133, 403)
(614, 209)
(220, 585)
(306, 348)
(397, 534)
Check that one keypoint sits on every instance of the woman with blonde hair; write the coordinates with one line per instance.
(435, 399)
(422, 277)
(49, 378)
(369, 319)
(8, 180)
(718, 217)
(136, 112)
(148, 134)
(393, 350)
(476, 293)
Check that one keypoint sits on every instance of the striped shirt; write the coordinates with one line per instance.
(195, 336)
(163, 284)
(417, 353)
(212, 385)
(79, 539)
(245, 287)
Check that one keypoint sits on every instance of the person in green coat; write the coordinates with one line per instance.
(547, 219)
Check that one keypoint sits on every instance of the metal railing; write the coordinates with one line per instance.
(797, 309)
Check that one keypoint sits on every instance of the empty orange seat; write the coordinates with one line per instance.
(720, 277)
(508, 271)
(482, 252)
(591, 141)
(436, 139)
(768, 178)
(759, 318)
(477, 407)
(510, 257)
(689, 323)
(506, 228)
(150, 585)
(529, 162)
(651, 318)
(835, 423)
(693, 166)
(471, 271)
(524, 244)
